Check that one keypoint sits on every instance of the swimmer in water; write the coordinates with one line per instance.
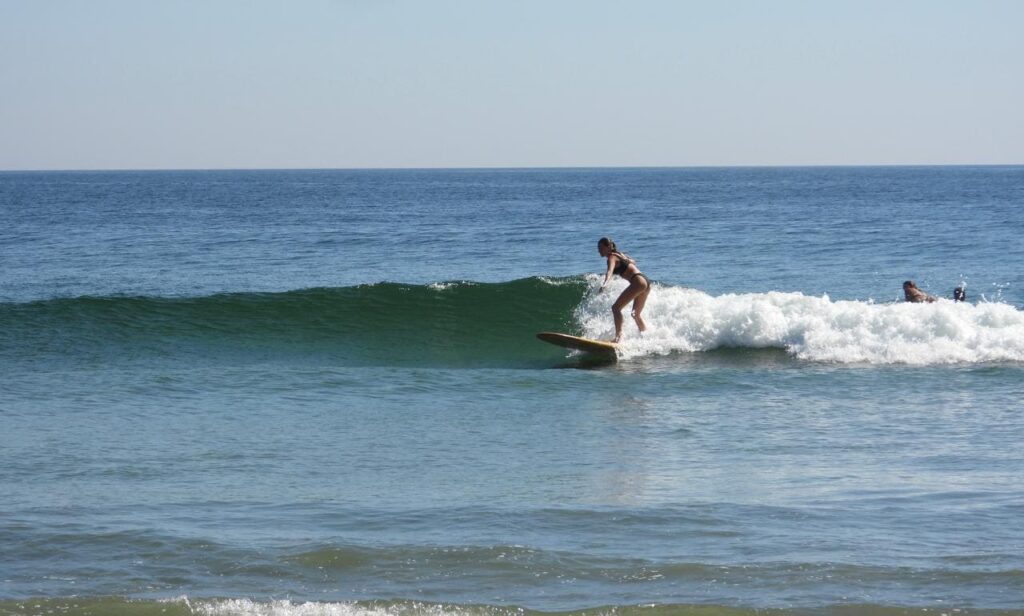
(639, 287)
(914, 295)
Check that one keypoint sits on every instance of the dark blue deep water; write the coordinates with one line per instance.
(319, 392)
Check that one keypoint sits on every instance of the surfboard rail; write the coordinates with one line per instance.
(602, 348)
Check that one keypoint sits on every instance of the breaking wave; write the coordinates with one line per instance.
(685, 320)
(493, 324)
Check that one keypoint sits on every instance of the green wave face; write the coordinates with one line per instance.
(460, 324)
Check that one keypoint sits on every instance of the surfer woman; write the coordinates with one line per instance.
(637, 291)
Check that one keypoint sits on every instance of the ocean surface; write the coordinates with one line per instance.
(296, 393)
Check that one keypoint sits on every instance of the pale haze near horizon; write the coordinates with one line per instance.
(364, 84)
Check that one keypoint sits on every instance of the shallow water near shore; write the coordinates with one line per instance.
(320, 393)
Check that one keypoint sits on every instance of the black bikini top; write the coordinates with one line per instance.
(623, 264)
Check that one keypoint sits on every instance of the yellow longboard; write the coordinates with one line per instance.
(601, 348)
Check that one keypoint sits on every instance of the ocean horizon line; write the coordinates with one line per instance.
(525, 168)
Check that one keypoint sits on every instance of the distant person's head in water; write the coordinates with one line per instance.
(960, 293)
(915, 295)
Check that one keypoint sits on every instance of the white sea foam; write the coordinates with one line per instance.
(813, 328)
(442, 286)
(246, 607)
(556, 282)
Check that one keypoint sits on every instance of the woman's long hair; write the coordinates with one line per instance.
(607, 241)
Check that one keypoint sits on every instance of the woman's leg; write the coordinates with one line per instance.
(617, 317)
(638, 307)
(631, 293)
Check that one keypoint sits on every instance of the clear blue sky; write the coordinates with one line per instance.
(130, 84)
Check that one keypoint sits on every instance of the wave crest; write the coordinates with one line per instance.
(493, 324)
(815, 328)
